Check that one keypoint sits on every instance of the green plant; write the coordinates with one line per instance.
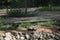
(24, 24)
(1, 22)
(19, 13)
(49, 8)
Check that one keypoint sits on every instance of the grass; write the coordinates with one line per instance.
(52, 8)
(29, 23)
(42, 22)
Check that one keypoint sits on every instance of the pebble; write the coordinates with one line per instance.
(30, 36)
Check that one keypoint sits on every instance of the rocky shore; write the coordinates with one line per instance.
(29, 35)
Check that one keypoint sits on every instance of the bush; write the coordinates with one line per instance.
(18, 13)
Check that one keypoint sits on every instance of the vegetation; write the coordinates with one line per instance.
(1, 22)
(25, 24)
(41, 22)
(18, 13)
(52, 8)
(30, 3)
(47, 5)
